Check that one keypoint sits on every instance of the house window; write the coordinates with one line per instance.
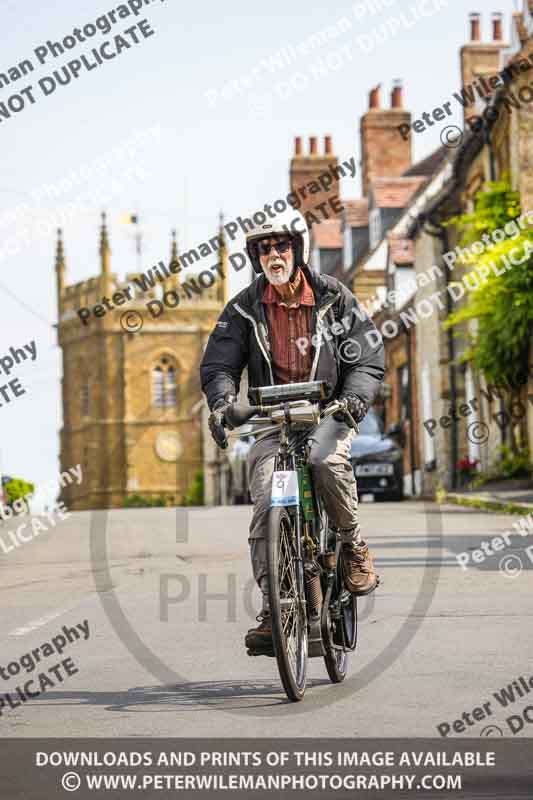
(164, 386)
(85, 399)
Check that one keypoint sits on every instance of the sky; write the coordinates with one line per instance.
(198, 117)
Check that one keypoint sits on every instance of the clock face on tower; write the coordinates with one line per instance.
(168, 446)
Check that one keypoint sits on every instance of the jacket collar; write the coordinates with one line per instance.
(324, 288)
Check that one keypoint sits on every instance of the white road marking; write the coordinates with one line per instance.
(38, 623)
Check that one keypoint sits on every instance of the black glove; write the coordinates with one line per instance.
(357, 408)
(217, 421)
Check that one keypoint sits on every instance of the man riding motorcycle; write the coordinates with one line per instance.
(293, 324)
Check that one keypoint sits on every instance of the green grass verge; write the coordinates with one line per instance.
(481, 504)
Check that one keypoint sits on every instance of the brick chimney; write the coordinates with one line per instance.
(306, 168)
(384, 153)
(497, 31)
(479, 60)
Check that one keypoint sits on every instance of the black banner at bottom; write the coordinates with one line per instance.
(464, 769)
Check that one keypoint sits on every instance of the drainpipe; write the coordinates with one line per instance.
(488, 141)
(441, 233)
(411, 405)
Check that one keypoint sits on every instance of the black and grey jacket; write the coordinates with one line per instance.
(350, 356)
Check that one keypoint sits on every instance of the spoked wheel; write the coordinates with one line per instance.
(339, 626)
(289, 624)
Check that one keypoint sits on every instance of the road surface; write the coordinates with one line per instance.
(163, 657)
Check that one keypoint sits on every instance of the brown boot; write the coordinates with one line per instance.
(259, 640)
(359, 575)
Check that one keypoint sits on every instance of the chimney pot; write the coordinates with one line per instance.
(297, 145)
(475, 27)
(396, 95)
(497, 32)
(328, 149)
(312, 146)
(373, 101)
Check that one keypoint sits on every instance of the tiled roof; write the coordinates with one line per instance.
(428, 165)
(356, 212)
(327, 234)
(401, 251)
(395, 192)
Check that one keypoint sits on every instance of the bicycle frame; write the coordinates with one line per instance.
(286, 460)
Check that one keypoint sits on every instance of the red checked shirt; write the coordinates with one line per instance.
(287, 324)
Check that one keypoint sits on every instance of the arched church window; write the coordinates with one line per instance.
(164, 383)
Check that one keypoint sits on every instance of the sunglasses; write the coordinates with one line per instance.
(281, 246)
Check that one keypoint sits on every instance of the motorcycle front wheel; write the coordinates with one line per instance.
(289, 622)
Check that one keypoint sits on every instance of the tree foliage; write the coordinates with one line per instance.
(499, 343)
(141, 501)
(17, 488)
(195, 492)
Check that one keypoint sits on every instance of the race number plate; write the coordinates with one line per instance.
(285, 488)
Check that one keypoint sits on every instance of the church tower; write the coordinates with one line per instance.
(131, 385)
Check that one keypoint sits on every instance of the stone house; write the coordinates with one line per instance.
(500, 145)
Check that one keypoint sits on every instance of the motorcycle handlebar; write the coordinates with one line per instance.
(238, 414)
